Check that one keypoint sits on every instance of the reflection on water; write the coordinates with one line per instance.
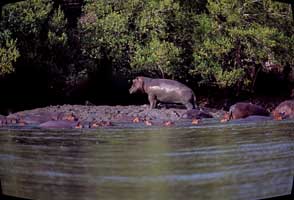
(214, 161)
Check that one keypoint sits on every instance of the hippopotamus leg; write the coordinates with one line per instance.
(189, 105)
(152, 100)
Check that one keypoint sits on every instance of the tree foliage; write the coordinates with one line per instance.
(221, 44)
(235, 36)
(8, 53)
(41, 40)
(132, 34)
(25, 21)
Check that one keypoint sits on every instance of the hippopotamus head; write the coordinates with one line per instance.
(138, 85)
(226, 117)
(279, 115)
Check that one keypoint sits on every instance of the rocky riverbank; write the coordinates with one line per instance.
(80, 116)
(91, 116)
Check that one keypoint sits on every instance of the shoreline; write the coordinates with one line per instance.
(81, 116)
(92, 116)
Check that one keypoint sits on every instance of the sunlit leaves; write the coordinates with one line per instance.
(8, 53)
(157, 55)
(235, 35)
(25, 17)
(127, 32)
(57, 26)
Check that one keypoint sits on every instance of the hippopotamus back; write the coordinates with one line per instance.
(58, 124)
(169, 91)
(164, 90)
(242, 110)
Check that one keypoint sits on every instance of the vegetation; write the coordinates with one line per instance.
(8, 53)
(222, 44)
(236, 36)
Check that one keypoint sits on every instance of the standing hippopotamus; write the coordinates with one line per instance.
(242, 110)
(164, 90)
(284, 110)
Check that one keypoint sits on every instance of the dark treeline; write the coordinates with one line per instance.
(51, 53)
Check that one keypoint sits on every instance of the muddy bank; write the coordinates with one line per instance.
(81, 116)
(91, 116)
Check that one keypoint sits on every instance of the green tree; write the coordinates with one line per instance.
(104, 32)
(25, 20)
(235, 36)
(8, 53)
(158, 55)
(45, 44)
(132, 35)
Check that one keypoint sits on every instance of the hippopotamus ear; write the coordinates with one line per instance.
(141, 81)
(136, 79)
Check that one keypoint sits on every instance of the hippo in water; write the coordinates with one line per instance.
(164, 90)
(243, 110)
(2, 120)
(284, 110)
(59, 124)
(253, 119)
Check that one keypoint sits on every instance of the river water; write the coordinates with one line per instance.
(209, 161)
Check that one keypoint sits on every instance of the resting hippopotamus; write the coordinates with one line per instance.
(164, 90)
(31, 118)
(196, 114)
(253, 118)
(242, 110)
(2, 120)
(284, 110)
(66, 116)
(59, 124)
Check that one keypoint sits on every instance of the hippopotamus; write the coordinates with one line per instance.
(2, 120)
(59, 124)
(12, 119)
(37, 118)
(284, 110)
(66, 117)
(243, 110)
(164, 90)
(196, 114)
(253, 118)
(32, 119)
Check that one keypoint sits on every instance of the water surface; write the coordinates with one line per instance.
(210, 161)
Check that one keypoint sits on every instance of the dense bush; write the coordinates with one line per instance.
(8, 53)
(236, 36)
(221, 44)
(40, 42)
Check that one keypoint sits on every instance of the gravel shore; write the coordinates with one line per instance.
(81, 116)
